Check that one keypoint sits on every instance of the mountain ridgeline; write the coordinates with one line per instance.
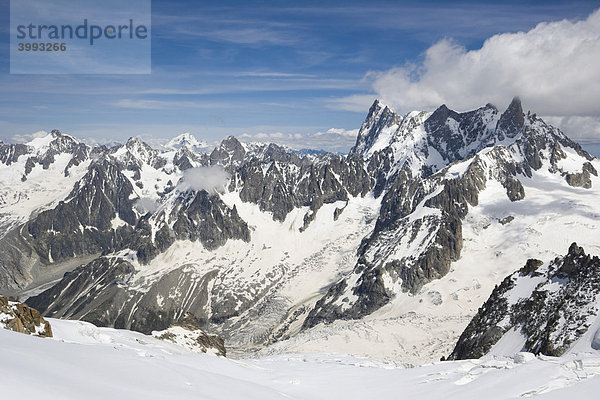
(130, 243)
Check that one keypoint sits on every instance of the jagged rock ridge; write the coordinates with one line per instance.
(548, 305)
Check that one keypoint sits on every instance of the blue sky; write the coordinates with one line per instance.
(272, 68)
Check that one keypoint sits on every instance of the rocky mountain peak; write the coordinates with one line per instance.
(454, 135)
(511, 121)
(55, 133)
(231, 143)
(375, 109)
(458, 135)
(186, 158)
(44, 148)
(441, 114)
(575, 250)
(573, 261)
(134, 143)
(136, 152)
(229, 152)
(380, 117)
(439, 118)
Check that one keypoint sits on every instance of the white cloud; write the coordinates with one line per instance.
(146, 205)
(337, 140)
(140, 104)
(553, 68)
(352, 133)
(212, 179)
(582, 129)
(27, 137)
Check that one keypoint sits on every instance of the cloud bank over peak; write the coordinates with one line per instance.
(553, 68)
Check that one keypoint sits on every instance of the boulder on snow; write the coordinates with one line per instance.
(19, 317)
(188, 334)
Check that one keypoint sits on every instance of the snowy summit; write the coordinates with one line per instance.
(187, 140)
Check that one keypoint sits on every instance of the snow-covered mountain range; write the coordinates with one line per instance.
(387, 252)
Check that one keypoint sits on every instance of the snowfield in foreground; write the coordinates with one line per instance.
(83, 361)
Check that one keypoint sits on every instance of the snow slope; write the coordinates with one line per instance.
(83, 361)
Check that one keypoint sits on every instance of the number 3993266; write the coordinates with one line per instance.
(41, 46)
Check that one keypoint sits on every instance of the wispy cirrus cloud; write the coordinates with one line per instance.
(237, 28)
(355, 102)
(263, 74)
(265, 83)
(142, 104)
(250, 36)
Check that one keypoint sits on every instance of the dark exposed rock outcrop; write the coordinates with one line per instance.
(550, 304)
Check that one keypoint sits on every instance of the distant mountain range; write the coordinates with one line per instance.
(396, 244)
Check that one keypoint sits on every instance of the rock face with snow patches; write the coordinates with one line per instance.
(260, 243)
(418, 233)
(544, 308)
